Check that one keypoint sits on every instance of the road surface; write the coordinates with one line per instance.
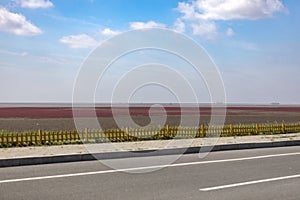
(245, 174)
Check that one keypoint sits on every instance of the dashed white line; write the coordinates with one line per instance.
(146, 168)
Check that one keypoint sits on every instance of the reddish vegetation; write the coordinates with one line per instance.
(40, 113)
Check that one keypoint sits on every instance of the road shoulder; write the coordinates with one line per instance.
(72, 153)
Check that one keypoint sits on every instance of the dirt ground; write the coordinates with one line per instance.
(24, 119)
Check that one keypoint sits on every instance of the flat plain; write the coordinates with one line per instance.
(60, 117)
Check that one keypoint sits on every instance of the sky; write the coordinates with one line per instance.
(254, 44)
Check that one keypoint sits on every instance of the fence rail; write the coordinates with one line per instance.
(31, 138)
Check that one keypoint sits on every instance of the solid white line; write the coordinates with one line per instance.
(248, 183)
(145, 168)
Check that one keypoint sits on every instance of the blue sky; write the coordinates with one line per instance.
(255, 43)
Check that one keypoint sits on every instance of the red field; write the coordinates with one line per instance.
(56, 112)
(60, 118)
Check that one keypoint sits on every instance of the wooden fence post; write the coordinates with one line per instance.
(40, 136)
(167, 130)
(256, 128)
(202, 130)
(231, 130)
(283, 127)
(87, 135)
(127, 133)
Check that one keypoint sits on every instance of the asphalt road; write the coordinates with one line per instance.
(245, 174)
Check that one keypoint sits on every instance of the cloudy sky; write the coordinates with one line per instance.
(254, 43)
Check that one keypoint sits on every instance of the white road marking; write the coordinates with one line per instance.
(248, 183)
(145, 168)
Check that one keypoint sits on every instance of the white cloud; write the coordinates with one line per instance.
(17, 24)
(202, 14)
(187, 9)
(206, 29)
(79, 41)
(35, 3)
(144, 25)
(233, 9)
(109, 33)
(230, 32)
(179, 26)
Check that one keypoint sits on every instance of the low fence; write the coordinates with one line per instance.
(31, 138)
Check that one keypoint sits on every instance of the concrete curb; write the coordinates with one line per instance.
(114, 155)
